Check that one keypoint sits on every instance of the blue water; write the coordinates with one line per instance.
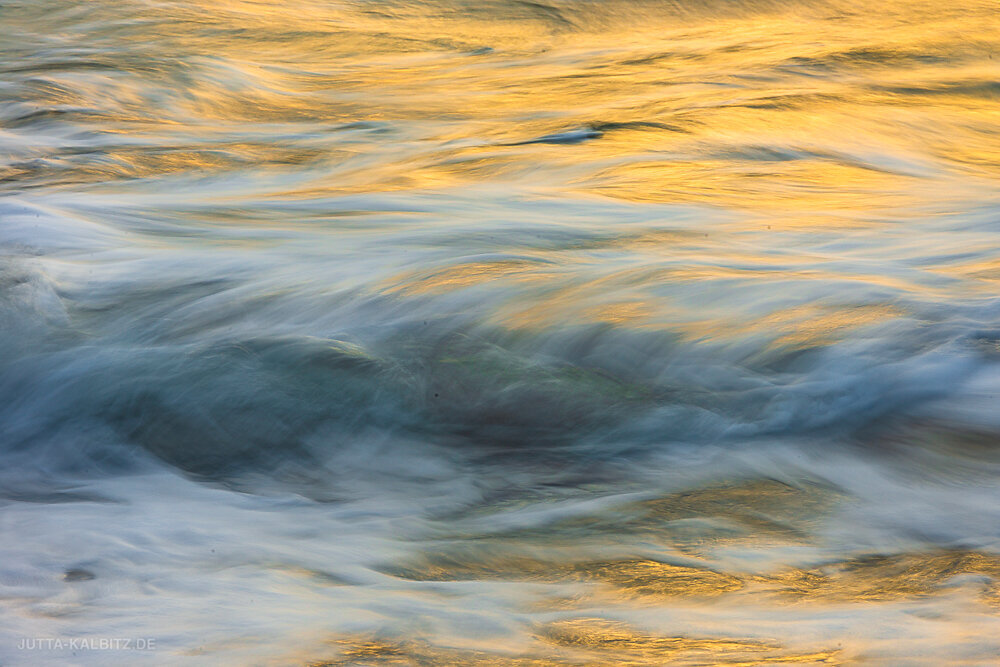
(476, 333)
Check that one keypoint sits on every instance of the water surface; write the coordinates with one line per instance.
(500, 333)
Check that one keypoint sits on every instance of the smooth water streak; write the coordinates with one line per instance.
(507, 332)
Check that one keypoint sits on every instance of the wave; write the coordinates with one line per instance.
(214, 405)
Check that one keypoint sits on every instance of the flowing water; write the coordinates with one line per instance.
(499, 332)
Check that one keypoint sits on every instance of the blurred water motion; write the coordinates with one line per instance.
(500, 333)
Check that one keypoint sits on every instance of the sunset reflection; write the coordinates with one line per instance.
(442, 332)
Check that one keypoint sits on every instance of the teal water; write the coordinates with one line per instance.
(439, 332)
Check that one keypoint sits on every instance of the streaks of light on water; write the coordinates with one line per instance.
(500, 333)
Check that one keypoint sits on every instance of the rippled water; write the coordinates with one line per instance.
(500, 333)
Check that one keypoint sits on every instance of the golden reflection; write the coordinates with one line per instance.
(813, 184)
(811, 325)
(690, 104)
(757, 512)
(884, 578)
(981, 274)
(602, 636)
(361, 651)
(752, 514)
(642, 577)
(631, 577)
(631, 296)
(468, 275)
(144, 162)
(579, 642)
(627, 312)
